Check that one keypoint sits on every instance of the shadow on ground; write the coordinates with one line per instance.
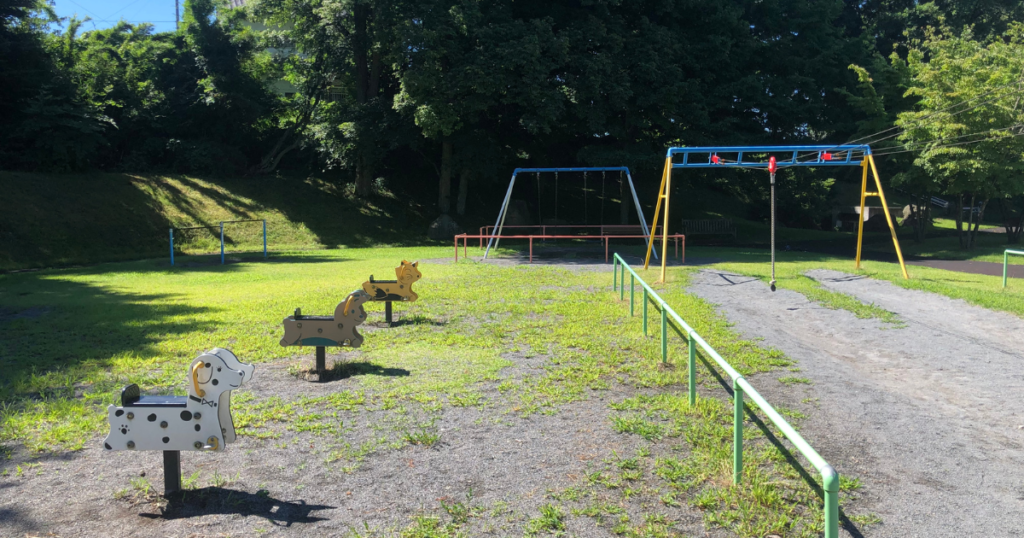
(344, 370)
(212, 500)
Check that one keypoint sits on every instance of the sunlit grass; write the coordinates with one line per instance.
(982, 290)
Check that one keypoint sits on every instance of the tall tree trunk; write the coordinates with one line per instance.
(977, 223)
(1015, 236)
(364, 173)
(626, 197)
(460, 205)
(960, 219)
(970, 222)
(445, 188)
(361, 49)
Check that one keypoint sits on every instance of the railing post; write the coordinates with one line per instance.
(172, 254)
(622, 284)
(222, 243)
(645, 312)
(632, 286)
(691, 344)
(664, 333)
(264, 238)
(830, 483)
(615, 273)
(1005, 259)
(737, 434)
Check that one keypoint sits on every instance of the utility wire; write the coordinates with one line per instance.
(919, 121)
(944, 139)
(950, 145)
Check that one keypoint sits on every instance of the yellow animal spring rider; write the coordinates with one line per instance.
(394, 290)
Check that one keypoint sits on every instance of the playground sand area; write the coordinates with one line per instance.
(918, 410)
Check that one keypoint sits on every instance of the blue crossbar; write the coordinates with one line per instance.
(757, 156)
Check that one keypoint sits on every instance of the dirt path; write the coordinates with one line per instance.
(927, 416)
(973, 267)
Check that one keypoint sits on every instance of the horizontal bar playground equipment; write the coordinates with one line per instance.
(680, 241)
(1006, 254)
(772, 158)
(222, 223)
(829, 476)
(499, 224)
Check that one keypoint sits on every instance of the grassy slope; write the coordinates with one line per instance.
(58, 220)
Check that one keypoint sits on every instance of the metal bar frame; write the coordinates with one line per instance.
(220, 226)
(499, 223)
(1006, 254)
(742, 389)
(813, 156)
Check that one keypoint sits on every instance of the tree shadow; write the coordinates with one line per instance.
(41, 353)
(213, 500)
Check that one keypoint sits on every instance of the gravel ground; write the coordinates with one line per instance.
(927, 416)
(500, 466)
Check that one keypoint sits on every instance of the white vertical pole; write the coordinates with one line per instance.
(640, 213)
(500, 222)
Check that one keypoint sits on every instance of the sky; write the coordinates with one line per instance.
(106, 13)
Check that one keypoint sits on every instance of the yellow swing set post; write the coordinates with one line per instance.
(869, 162)
(663, 191)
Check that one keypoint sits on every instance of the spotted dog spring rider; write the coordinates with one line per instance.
(200, 421)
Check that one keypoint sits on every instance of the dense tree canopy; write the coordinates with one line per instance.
(396, 90)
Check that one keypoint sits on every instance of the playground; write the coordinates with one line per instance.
(620, 383)
(511, 399)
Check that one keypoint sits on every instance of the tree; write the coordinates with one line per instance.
(968, 128)
(477, 69)
(339, 55)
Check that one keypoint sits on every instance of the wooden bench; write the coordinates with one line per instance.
(709, 227)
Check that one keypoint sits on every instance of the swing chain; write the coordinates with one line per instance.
(586, 215)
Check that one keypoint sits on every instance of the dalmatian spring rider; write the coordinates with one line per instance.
(227, 425)
(200, 421)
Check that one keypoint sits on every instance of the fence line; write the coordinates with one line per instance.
(221, 226)
(1006, 254)
(829, 476)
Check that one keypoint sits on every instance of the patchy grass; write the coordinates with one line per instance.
(982, 290)
(141, 322)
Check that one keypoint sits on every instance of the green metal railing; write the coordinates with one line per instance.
(740, 386)
(1006, 254)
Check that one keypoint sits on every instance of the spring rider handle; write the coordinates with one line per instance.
(195, 379)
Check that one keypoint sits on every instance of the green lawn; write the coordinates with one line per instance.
(69, 339)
